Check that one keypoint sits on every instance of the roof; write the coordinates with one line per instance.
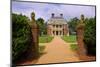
(57, 20)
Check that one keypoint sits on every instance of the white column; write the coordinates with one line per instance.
(55, 33)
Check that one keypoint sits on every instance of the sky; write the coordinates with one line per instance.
(44, 10)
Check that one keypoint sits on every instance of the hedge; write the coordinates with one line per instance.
(21, 36)
(90, 36)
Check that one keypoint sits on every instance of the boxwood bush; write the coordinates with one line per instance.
(21, 36)
(90, 36)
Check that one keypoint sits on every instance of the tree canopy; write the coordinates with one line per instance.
(72, 24)
(42, 26)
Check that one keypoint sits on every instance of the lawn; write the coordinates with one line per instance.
(41, 47)
(45, 39)
(73, 47)
(69, 39)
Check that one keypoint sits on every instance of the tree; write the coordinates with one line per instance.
(72, 24)
(42, 26)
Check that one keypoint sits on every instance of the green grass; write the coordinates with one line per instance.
(42, 40)
(45, 39)
(69, 39)
(73, 47)
(41, 47)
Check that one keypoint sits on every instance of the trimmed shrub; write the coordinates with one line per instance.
(69, 39)
(90, 36)
(21, 36)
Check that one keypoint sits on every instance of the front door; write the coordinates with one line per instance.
(56, 32)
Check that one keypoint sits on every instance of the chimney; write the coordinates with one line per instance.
(82, 17)
(61, 15)
(52, 15)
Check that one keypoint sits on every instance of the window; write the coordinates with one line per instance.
(60, 26)
(56, 26)
(53, 25)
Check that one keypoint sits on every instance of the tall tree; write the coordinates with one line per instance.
(42, 26)
(72, 24)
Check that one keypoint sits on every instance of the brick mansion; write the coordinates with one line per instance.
(57, 26)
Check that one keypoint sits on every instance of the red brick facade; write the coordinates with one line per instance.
(63, 31)
(57, 26)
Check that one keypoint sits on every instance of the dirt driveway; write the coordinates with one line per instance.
(57, 51)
